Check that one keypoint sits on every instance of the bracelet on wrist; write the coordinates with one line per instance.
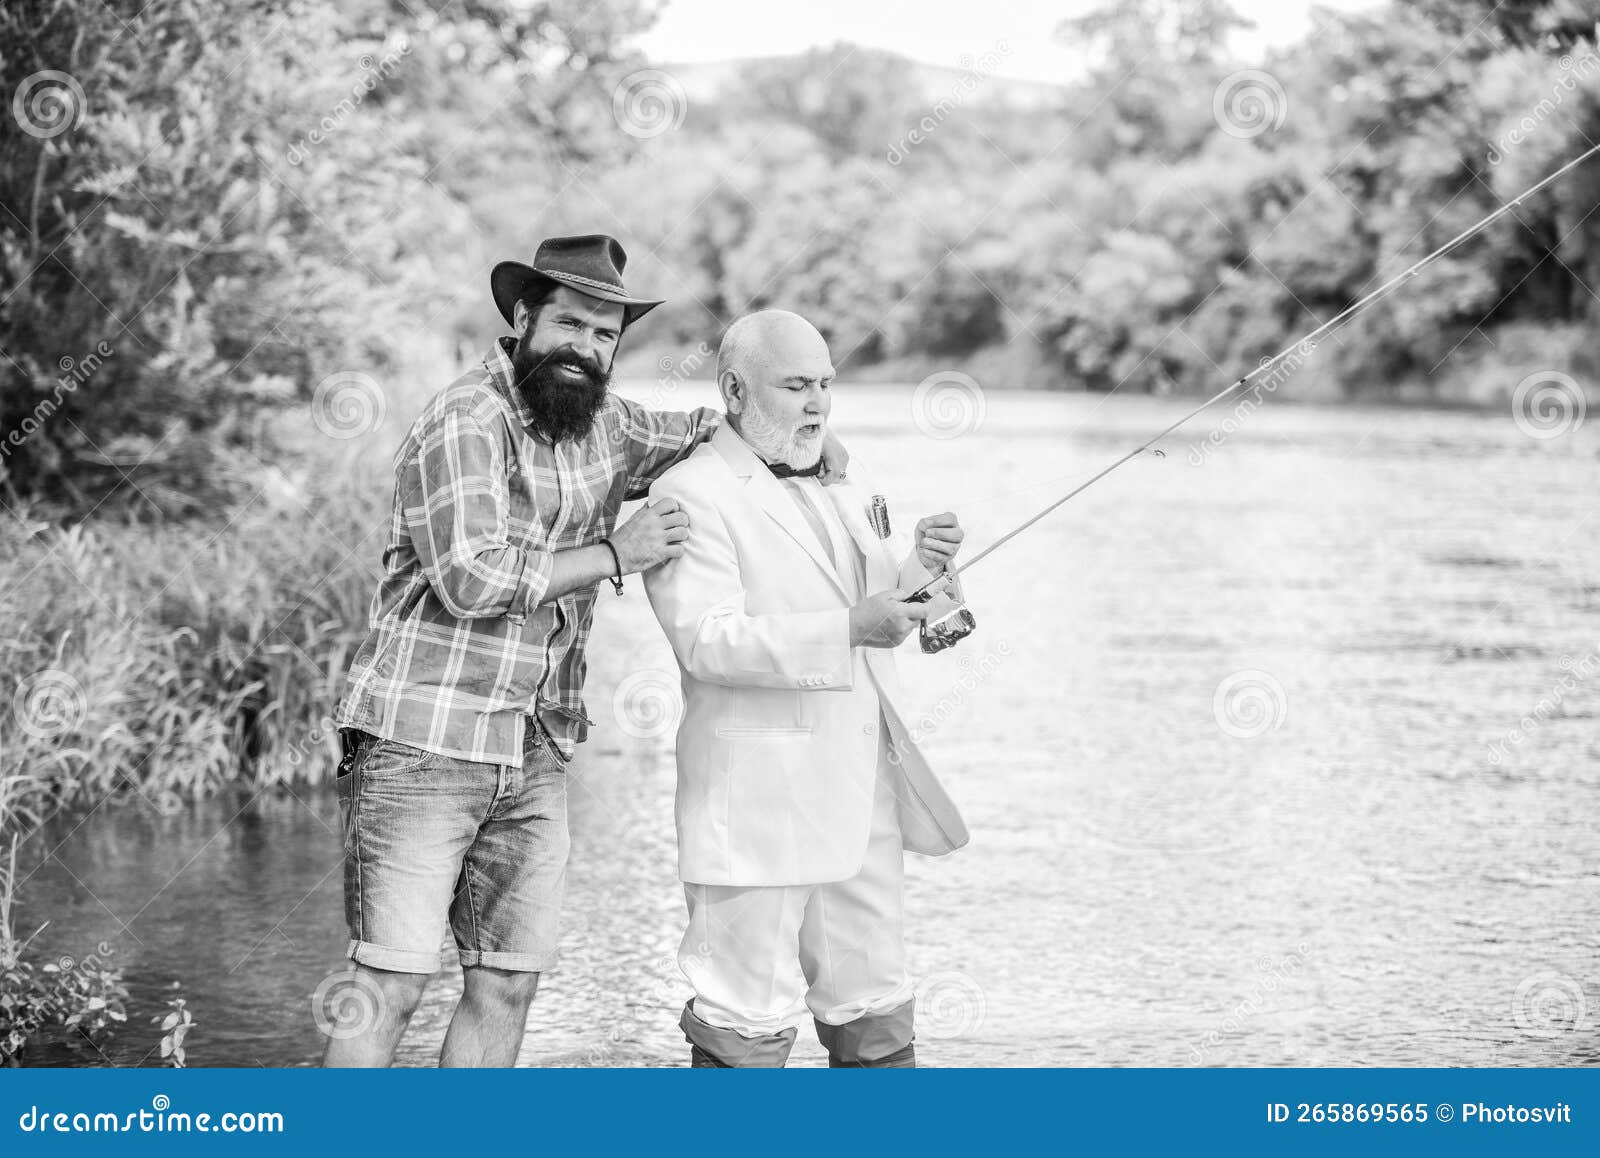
(616, 580)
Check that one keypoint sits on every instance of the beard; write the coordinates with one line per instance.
(562, 408)
(776, 441)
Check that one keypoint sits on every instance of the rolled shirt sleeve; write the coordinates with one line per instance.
(654, 440)
(458, 519)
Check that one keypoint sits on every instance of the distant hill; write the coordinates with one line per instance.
(710, 80)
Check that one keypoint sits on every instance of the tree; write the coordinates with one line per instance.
(855, 101)
(213, 208)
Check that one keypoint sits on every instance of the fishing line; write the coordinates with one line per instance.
(1303, 348)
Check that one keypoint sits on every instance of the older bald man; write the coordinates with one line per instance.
(798, 783)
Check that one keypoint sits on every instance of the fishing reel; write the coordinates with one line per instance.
(949, 621)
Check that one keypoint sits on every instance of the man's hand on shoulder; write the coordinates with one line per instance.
(655, 533)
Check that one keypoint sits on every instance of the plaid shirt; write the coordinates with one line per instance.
(462, 645)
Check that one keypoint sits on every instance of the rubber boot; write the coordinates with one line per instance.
(900, 1059)
(873, 1041)
(712, 1047)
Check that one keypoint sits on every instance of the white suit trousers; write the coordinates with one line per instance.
(759, 957)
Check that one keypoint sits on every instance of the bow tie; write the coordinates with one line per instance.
(782, 470)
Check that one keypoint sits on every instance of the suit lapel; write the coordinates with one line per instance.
(774, 499)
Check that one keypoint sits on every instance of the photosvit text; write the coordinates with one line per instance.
(1339, 1113)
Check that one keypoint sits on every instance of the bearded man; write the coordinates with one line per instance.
(463, 704)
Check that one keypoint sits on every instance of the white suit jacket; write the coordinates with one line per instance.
(778, 747)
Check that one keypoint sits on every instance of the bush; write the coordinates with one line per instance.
(173, 660)
(183, 263)
(85, 997)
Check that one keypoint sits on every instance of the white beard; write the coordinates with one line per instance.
(769, 439)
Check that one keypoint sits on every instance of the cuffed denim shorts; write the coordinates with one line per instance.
(431, 840)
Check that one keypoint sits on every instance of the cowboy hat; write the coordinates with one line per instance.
(591, 264)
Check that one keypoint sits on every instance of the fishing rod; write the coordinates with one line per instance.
(1303, 348)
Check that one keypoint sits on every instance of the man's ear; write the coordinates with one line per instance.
(733, 391)
(519, 318)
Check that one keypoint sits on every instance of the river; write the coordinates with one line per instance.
(1278, 752)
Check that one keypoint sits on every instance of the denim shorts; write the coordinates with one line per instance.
(432, 840)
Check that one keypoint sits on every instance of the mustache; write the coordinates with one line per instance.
(590, 365)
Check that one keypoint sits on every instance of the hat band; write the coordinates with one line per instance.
(562, 274)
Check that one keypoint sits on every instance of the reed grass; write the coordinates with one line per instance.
(181, 657)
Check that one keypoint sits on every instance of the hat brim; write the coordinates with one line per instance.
(510, 281)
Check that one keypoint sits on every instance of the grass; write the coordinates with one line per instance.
(170, 660)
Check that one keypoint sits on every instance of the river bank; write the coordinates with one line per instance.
(1476, 376)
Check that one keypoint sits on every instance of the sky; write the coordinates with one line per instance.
(944, 32)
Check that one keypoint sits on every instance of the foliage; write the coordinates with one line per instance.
(85, 997)
(217, 206)
(191, 655)
(1122, 232)
(175, 1026)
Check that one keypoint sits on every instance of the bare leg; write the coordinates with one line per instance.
(372, 1037)
(489, 1023)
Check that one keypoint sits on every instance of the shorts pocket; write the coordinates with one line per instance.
(392, 758)
(344, 782)
(544, 746)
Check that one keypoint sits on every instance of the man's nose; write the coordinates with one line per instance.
(583, 345)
